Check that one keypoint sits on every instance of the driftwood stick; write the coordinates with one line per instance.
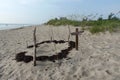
(76, 44)
(69, 33)
(50, 34)
(52, 38)
(34, 56)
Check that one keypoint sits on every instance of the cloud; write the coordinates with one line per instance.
(26, 2)
(15, 2)
(7, 3)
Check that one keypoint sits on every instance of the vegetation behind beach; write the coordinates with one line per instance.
(111, 24)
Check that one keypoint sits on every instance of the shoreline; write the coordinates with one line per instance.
(14, 26)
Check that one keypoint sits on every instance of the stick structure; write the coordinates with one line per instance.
(69, 33)
(34, 56)
(76, 33)
(76, 44)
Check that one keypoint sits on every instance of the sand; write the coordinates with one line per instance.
(98, 57)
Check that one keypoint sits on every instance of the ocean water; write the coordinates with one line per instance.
(12, 26)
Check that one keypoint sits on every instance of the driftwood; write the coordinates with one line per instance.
(69, 33)
(76, 44)
(34, 56)
(63, 54)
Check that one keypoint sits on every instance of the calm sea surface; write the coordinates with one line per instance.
(12, 26)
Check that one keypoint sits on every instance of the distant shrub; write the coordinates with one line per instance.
(100, 25)
(107, 25)
(63, 21)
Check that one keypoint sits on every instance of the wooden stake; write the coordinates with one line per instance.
(34, 56)
(69, 34)
(76, 44)
(76, 33)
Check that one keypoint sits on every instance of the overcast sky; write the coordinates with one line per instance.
(39, 11)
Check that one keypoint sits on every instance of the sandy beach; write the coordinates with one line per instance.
(98, 57)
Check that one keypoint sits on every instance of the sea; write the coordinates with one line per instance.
(12, 26)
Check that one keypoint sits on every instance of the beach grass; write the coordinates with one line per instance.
(111, 24)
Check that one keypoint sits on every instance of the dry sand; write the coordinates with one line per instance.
(98, 57)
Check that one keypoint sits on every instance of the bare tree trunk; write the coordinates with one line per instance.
(34, 56)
